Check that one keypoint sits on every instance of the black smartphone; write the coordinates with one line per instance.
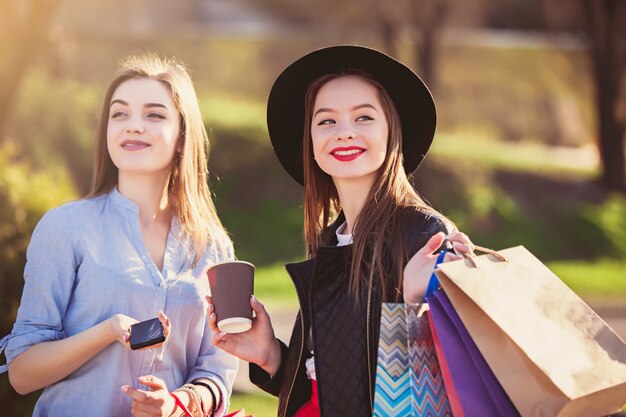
(146, 333)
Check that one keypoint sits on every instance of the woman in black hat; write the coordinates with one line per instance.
(349, 123)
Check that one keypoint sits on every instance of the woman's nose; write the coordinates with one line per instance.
(134, 126)
(345, 132)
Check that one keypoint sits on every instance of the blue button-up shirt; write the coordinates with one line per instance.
(86, 262)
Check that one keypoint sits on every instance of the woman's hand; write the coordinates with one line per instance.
(156, 402)
(257, 345)
(461, 243)
(119, 329)
(420, 267)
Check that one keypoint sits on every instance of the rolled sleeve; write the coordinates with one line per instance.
(213, 363)
(48, 281)
(218, 366)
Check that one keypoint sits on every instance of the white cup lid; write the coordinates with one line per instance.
(234, 325)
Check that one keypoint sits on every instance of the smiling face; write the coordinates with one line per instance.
(349, 130)
(143, 127)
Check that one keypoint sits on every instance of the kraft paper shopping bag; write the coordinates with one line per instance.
(554, 356)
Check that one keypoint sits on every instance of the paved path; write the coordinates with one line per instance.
(614, 313)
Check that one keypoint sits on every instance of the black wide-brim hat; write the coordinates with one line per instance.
(285, 107)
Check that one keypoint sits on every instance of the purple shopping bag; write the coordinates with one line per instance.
(479, 392)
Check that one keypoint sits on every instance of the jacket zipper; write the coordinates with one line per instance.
(367, 330)
(295, 375)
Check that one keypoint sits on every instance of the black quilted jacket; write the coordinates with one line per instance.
(345, 345)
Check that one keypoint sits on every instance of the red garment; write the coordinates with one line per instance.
(310, 408)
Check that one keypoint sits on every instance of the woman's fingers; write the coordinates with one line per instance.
(252, 345)
(463, 247)
(167, 329)
(419, 269)
(432, 245)
(462, 238)
(219, 337)
(152, 382)
(213, 324)
(450, 256)
(259, 309)
(156, 402)
(125, 336)
(212, 319)
(165, 321)
(134, 393)
(120, 328)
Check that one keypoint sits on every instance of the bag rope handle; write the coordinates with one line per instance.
(470, 257)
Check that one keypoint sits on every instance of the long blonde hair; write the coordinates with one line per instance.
(188, 189)
(378, 226)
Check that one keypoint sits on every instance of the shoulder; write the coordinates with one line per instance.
(84, 205)
(416, 220)
(61, 214)
(61, 218)
(222, 245)
(219, 249)
(418, 226)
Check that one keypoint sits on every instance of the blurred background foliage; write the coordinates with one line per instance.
(518, 157)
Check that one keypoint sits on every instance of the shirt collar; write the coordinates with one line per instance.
(124, 202)
(343, 239)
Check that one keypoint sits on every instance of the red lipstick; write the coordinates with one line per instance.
(348, 153)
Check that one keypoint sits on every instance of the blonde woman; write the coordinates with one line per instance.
(137, 247)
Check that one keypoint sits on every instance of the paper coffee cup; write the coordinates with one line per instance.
(232, 285)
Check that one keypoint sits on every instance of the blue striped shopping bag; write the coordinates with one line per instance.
(408, 377)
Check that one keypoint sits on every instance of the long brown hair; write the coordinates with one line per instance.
(188, 189)
(378, 226)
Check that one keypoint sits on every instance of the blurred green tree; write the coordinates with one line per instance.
(602, 23)
(607, 37)
(424, 19)
(26, 195)
(428, 16)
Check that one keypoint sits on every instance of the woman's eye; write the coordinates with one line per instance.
(325, 122)
(364, 118)
(156, 116)
(117, 114)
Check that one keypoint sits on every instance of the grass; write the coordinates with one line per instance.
(489, 153)
(601, 278)
(273, 285)
(258, 403)
(264, 230)
(228, 111)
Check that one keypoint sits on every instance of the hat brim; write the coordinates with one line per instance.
(285, 108)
